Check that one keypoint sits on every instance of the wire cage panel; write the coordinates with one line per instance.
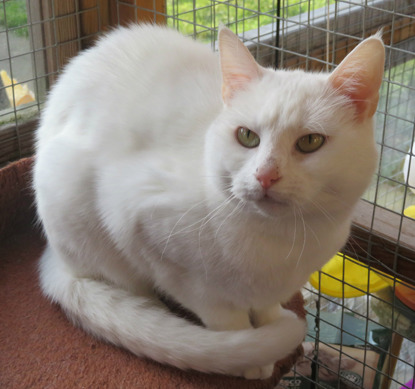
(361, 331)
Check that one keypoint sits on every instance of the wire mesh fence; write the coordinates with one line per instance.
(361, 308)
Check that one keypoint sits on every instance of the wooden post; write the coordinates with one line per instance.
(138, 11)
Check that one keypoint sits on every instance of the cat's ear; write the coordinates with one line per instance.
(238, 66)
(360, 74)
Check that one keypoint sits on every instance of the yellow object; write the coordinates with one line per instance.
(410, 212)
(22, 94)
(342, 275)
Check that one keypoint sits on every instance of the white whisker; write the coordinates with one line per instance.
(304, 238)
(327, 214)
(295, 235)
(175, 225)
(206, 220)
(237, 208)
(213, 213)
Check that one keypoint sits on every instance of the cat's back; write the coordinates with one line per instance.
(140, 77)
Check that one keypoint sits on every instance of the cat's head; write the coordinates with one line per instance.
(294, 139)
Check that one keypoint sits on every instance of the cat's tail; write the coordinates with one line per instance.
(146, 328)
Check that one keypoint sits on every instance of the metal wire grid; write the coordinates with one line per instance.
(283, 33)
(381, 323)
(23, 55)
(17, 58)
(395, 129)
(28, 48)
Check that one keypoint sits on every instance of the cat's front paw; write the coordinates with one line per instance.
(259, 373)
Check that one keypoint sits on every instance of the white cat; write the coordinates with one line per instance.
(162, 166)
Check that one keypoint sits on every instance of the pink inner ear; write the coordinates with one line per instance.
(359, 76)
(232, 83)
(361, 89)
(365, 102)
(238, 66)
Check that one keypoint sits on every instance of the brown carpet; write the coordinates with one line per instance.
(39, 348)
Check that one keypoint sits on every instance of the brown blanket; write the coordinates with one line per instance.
(39, 348)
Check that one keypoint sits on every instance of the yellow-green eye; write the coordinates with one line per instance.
(247, 138)
(310, 143)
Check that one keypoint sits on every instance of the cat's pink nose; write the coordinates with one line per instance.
(267, 178)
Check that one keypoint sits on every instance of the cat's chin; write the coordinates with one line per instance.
(272, 207)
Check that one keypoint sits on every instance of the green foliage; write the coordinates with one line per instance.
(240, 15)
(13, 14)
(193, 16)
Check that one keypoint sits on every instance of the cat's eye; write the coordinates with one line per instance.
(310, 143)
(247, 138)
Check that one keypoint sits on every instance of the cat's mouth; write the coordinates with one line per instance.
(274, 200)
(267, 202)
(272, 206)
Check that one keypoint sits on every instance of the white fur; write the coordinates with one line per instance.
(141, 185)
